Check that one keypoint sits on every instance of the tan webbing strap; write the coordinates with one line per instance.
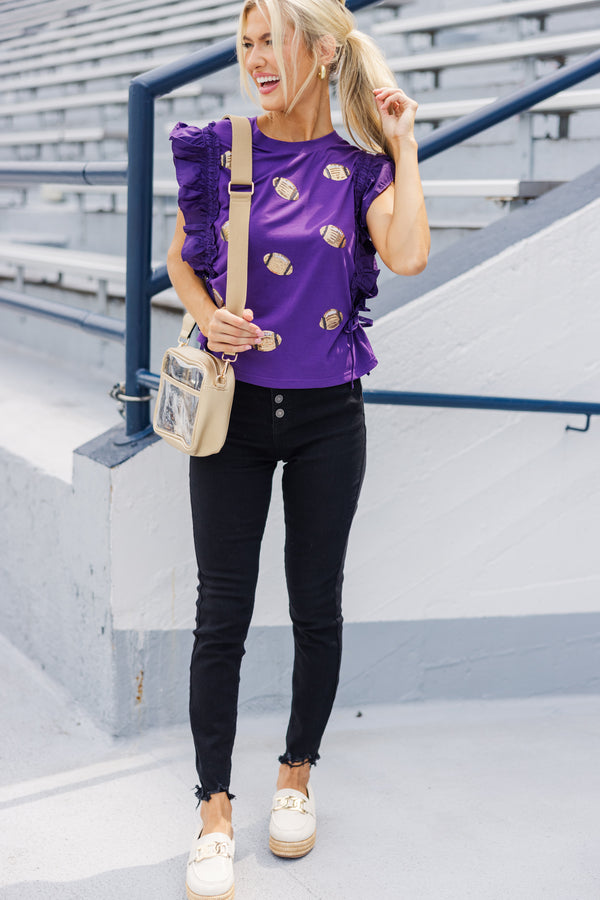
(187, 326)
(241, 189)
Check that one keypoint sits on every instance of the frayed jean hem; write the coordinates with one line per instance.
(288, 759)
(202, 794)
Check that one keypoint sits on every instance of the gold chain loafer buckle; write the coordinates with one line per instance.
(209, 851)
(296, 803)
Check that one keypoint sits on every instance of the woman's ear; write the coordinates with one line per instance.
(327, 48)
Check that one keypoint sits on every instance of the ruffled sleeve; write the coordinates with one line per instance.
(374, 173)
(377, 174)
(196, 153)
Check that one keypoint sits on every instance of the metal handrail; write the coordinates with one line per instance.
(102, 326)
(142, 283)
(440, 140)
(151, 381)
(25, 173)
(476, 401)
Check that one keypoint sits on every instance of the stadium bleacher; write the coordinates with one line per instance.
(65, 67)
(478, 15)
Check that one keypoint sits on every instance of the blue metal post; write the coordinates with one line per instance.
(139, 250)
(140, 284)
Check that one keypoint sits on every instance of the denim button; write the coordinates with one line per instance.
(279, 413)
(278, 398)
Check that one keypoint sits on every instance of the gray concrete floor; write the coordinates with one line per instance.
(493, 800)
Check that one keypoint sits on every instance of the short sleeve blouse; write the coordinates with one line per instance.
(311, 262)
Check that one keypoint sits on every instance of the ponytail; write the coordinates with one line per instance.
(360, 68)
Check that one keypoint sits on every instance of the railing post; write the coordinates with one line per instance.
(139, 251)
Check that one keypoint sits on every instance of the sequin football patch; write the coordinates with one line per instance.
(285, 188)
(333, 236)
(331, 319)
(269, 342)
(336, 172)
(278, 264)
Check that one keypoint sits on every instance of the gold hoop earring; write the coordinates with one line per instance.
(322, 73)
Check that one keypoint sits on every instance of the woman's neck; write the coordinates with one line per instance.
(299, 125)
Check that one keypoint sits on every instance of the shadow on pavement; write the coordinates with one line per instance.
(165, 880)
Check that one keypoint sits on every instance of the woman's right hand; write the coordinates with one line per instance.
(227, 333)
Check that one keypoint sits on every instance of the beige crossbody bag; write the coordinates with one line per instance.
(196, 388)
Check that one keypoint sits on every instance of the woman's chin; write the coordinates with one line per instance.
(270, 104)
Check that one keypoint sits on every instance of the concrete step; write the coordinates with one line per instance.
(50, 406)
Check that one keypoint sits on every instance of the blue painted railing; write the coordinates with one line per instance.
(142, 283)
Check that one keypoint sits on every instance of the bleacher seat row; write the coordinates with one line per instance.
(65, 66)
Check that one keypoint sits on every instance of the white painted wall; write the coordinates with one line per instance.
(152, 551)
(476, 513)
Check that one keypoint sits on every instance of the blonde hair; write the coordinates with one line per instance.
(358, 63)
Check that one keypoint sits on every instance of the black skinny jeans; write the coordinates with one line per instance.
(319, 433)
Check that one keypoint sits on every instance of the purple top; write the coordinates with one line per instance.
(311, 263)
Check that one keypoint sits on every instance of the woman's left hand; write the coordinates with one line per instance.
(397, 113)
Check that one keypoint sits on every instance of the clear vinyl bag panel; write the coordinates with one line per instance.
(184, 372)
(177, 405)
(177, 412)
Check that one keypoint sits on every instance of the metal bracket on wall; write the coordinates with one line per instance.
(117, 392)
(574, 427)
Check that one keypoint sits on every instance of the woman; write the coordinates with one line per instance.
(321, 207)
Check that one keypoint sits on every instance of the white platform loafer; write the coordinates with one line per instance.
(293, 825)
(210, 868)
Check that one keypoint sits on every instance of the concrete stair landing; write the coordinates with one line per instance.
(474, 801)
